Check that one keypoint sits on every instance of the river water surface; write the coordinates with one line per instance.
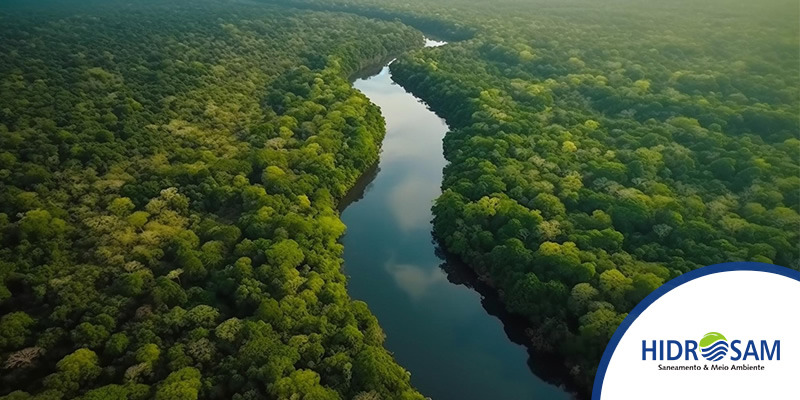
(443, 331)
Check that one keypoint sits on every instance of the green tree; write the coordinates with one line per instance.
(117, 344)
(14, 329)
(74, 371)
(183, 384)
(303, 385)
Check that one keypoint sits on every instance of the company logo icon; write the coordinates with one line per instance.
(713, 346)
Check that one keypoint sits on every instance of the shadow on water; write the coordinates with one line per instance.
(361, 187)
(370, 70)
(547, 366)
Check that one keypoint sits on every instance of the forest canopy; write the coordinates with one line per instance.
(168, 180)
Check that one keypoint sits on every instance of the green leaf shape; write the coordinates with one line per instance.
(711, 338)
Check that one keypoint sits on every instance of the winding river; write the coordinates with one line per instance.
(441, 325)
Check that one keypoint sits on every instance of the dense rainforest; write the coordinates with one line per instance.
(169, 173)
(600, 148)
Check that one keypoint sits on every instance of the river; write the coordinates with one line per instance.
(447, 334)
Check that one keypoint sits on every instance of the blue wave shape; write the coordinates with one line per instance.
(715, 346)
(719, 353)
(716, 351)
(710, 353)
(717, 358)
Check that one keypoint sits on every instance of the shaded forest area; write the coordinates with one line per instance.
(169, 173)
(600, 149)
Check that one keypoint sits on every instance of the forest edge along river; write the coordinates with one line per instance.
(444, 326)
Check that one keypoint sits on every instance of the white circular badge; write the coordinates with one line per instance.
(727, 331)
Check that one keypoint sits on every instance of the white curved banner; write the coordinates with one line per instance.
(728, 331)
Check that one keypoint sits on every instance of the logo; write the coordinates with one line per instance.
(714, 346)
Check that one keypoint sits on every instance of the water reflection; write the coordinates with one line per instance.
(433, 43)
(410, 203)
(416, 281)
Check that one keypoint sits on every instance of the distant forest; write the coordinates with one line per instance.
(170, 171)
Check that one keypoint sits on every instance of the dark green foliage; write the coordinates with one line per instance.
(168, 178)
